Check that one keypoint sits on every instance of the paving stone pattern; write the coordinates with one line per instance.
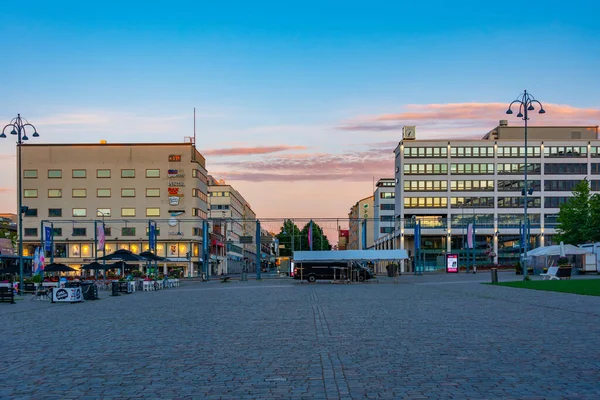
(429, 337)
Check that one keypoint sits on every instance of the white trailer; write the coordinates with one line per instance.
(592, 258)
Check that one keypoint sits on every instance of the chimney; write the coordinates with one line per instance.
(503, 122)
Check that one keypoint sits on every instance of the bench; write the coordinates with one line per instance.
(551, 274)
(7, 295)
(225, 279)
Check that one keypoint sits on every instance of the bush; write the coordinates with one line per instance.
(563, 261)
(518, 268)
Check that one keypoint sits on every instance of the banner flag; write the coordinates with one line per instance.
(101, 237)
(48, 238)
(310, 235)
(470, 236)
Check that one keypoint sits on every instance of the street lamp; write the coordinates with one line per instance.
(19, 128)
(526, 103)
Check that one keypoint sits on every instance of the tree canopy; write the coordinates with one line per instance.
(579, 217)
(292, 238)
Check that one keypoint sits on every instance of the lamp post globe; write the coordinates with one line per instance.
(19, 127)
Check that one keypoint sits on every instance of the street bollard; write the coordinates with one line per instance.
(244, 276)
(494, 275)
(115, 288)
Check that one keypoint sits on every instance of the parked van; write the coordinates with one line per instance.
(311, 271)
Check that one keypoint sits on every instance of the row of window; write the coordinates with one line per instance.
(502, 169)
(57, 232)
(219, 207)
(503, 151)
(387, 195)
(82, 173)
(488, 185)
(81, 193)
(482, 202)
(100, 212)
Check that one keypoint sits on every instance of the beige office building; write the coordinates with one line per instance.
(76, 187)
(361, 224)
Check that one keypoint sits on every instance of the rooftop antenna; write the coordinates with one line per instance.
(194, 126)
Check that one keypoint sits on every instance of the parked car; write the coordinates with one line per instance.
(311, 271)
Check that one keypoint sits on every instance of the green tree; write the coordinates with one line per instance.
(579, 217)
(287, 230)
(7, 233)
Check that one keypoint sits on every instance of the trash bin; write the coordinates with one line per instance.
(244, 276)
(494, 275)
(115, 288)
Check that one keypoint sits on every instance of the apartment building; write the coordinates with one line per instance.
(228, 206)
(361, 220)
(76, 187)
(384, 204)
(445, 185)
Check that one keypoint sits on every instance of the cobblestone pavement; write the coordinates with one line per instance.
(429, 337)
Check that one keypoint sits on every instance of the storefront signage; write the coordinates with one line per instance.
(176, 184)
(174, 173)
(175, 158)
(452, 263)
(173, 200)
(174, 191)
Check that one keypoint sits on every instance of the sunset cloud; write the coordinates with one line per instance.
(475, 118)
(244, 151)
(350, 166)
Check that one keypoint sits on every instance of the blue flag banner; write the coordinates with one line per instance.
(48, 238)
(417, 236)
(152, 236)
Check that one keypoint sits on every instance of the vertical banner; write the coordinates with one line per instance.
(417, 236)
(47, 238)
(36, 260)
(470, 235)
(310, 235)
(101, 237)
(152, 235)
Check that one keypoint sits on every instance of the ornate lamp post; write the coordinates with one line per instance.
(526, 103)
(19, 128)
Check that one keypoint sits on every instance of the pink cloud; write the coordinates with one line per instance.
(244, 151)
(471, 116)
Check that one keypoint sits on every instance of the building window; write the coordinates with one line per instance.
(472, 186)
(79, 173)
(386, 229)
(425, 152)
(30, 174)
(565, 151)
(80, 212)
(30, 193)
(595, 169)
(79, 232)
(79, 193)
(157, 231)
(127, 212)
(103, 193)
(196, 231)
(54, 173)
(107, 231)
(387, 195)
(560, 185)
(55, 212)
(425, 202)
(387, 207)
(519, 169)
(30, 232)
(595, 185)
(152, 192)
(152, 173)
(152, 212)
(472, 202)
(128, 231)
(485, 151)
(518, 152)
(31, 212)
(425, 186)
(517, 185)
(128, 173)
(57, 232)
(518, 201)
(103, 173)
(103, 212)
(127, 192)
(550, 220)
(471, 169)
(565, 169)
(53, 193)
(555, 202)
(425, 169)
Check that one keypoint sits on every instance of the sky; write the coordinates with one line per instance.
(299, 104)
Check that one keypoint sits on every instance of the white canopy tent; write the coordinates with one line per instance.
(350, 255)
(545, 257)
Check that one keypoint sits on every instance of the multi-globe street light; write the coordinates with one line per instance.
(526, 103)
(19, 127)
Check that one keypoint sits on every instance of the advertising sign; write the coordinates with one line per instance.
(66, 295)
(173, 173)
(48, 238)
(452, 263)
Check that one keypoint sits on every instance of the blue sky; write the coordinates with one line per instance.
(288, 74)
